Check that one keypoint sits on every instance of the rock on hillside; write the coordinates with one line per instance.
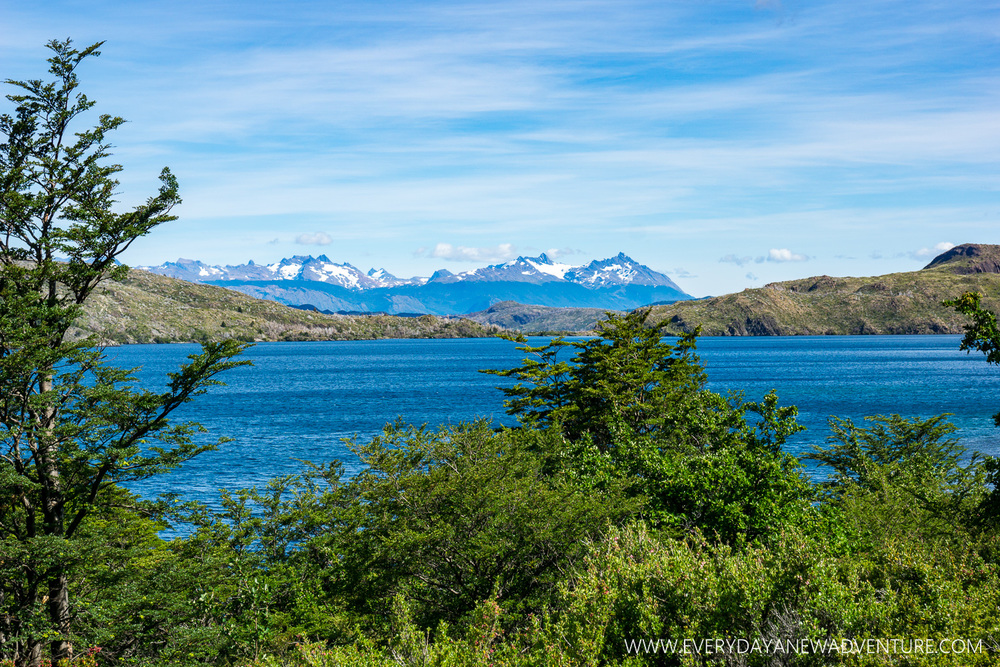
(149, 308)
(897, 303)
(539, 319)
(969, 258)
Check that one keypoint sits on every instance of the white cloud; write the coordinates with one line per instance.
(681, 273)
(317, 238)
(499, 253)
(556, 253)
(735, 259)
(938, 248)
(752, 276)
(784, 255)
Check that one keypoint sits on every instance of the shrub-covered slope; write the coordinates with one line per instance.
(539, 319)
(897, 303)
(148, 308)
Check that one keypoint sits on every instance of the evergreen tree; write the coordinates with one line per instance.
(625, 377)
(633, 408)
(983, 334)
(72, 427)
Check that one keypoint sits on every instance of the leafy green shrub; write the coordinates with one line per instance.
(919, 477)
(452, 517)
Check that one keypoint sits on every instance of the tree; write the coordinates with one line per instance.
(913, 463)
(72, 428)
(632, 408)
(625, 377)
(982, 333)
(860, 456)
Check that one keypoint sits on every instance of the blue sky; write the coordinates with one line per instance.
(725, 143)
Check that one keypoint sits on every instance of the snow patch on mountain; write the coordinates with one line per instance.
(620, 270)
(543, 264)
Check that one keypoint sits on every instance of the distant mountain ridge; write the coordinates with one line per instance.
(617, 283)
(300, 267)
(149, 308)
(617, 270)
(896, 303)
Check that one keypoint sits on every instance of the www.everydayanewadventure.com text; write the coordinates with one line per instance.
(730, 646)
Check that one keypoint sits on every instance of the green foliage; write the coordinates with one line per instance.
(437, 522)
(71, 427)
(450, 518)
(982, 333)
(856, 454)
(632, 586)
(625, 377)
(632, 409)
(638, 587)
(913, 461)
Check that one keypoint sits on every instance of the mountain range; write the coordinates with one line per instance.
(153, 308)
(148, 308)
(617, 283)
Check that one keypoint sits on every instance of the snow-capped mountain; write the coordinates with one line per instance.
(300, 267)
(382, 278)
(616, 283)
(618, 270)
(522, 270)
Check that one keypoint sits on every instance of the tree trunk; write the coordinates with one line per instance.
(61, 648)
(34, 655)
(58, 602)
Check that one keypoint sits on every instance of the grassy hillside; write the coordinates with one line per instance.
(148, 308)
(897, 303)
(539, 319)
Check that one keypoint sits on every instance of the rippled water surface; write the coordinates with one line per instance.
(299, 400)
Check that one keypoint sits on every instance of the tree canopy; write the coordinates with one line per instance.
(632, 408)
(72, 428)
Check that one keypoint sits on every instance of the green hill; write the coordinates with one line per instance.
(897, 303)
(148, 308)
(530, 319)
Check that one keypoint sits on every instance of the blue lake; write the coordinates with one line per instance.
(299, 400)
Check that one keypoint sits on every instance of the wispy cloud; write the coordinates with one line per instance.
(681, 273)
(559, 253)
(737, 259)
(316, 238)
(784, 255)
(938, 248)
(446, 251)
(773, 255)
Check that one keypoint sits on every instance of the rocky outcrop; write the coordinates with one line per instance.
(969, 258)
